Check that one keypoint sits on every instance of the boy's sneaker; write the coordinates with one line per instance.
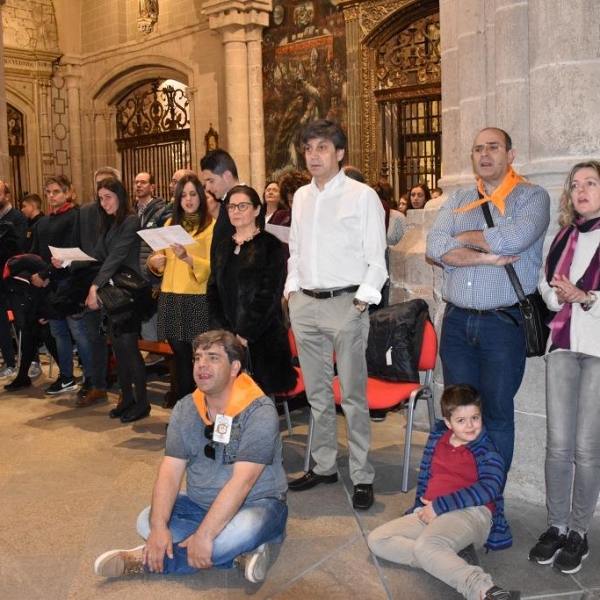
(254, 564)
(116, 563)
(35, 370)
(469, 555)
(62, 385)
(574, 552)
(497, 593)
(8, 372)
(549, 545)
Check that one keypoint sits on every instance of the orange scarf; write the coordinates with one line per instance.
(244, 392)
(499, 195)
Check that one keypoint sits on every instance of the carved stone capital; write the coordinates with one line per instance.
(225, 13)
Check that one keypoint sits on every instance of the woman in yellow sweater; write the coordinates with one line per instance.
(182, 308)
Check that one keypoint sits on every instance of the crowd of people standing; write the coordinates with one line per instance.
(235, 274)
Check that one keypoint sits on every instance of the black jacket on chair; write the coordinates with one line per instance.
(244, 297)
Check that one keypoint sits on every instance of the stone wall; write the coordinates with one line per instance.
(520, 65)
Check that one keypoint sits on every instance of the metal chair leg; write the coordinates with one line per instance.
(309, 438)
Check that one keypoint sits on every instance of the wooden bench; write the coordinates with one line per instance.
(164, 349)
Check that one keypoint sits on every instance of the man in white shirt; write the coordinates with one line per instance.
(336, 269)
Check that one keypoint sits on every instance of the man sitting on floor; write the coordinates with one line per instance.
(225, 438)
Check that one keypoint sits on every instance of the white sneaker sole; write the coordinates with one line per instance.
(98, 563)
(258, 564)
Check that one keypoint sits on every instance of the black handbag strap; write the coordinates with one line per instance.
(512, 274)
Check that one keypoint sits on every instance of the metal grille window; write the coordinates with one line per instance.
(16, 151)
(420, 148)
(153, 130)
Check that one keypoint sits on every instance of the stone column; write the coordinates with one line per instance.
(236, 97)
(72, 77)
(256, 111)
(239, 24)
(4, 157)
(354, 89)
(45, 100)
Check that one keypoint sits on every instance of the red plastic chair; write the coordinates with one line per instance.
(298, 389)
(386, 395)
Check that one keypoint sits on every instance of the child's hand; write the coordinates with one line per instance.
(427, 514)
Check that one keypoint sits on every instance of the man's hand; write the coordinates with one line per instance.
(57, 263)
(38, 281)
(427, 514)
(159, 543)
(199, 549)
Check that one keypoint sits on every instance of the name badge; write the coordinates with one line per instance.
(222, 430)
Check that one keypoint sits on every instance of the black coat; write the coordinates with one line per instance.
(249, 304)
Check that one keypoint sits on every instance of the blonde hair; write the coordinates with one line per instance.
(566, 211)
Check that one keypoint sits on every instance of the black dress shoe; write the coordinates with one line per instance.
(18, 384)
(310, 480)
(135, 413)
(363, 497)
(121, 408)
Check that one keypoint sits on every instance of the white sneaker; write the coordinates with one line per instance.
(35, 370)
(255, 564)
(7, 372)
(116, 563)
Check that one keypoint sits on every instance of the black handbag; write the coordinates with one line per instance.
(534, 311)
(118, 296)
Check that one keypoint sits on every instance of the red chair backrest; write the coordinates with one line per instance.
(292, 340)
(428, 347)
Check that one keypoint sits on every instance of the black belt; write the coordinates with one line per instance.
(323, 294)
(489, 311)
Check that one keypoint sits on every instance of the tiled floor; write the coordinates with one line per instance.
(72, 482)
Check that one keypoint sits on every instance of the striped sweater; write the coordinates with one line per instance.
(488, 488)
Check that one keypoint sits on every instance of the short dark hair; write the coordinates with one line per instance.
(233, 348)
(61, 180)
(32, 199)
(253, 196)
(507, 139)
(354, 173)
(329, 130)
(218, 161)
(454, 396)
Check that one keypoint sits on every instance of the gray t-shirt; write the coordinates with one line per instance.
(254, 438)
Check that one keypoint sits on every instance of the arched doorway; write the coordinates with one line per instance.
(153, 132)
(394, 96)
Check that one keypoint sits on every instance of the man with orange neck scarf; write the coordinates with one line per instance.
(482, 341)
(225, 438)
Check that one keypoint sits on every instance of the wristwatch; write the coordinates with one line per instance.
(590, 299)
(360, 305)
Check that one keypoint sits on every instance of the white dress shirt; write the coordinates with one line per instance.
(337, 239)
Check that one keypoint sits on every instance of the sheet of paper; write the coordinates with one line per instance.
(279, 231)
(163, 237)
(68, 255)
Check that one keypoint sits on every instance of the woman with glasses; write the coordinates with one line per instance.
(245, 289)
(182, 308)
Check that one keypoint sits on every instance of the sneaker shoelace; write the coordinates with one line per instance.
(132, 564)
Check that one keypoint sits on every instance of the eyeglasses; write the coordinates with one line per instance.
(491, 147)
(209, 449)
(242, 206)
(142, 182)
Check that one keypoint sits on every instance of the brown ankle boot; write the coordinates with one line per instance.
(92, 397)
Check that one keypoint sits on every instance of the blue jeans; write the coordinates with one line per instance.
(573, 446)
(61, 331)
(256, 523)
(488, 352)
